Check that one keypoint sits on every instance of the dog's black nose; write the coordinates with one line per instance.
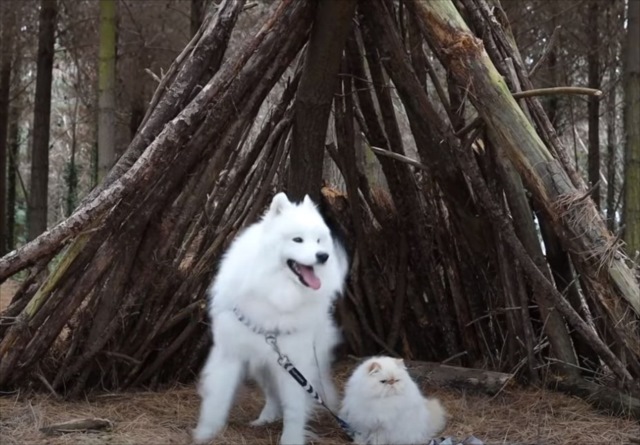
(322, 257)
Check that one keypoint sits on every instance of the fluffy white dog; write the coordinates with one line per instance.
(280, 275)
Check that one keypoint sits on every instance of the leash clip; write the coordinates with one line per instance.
(272, 340)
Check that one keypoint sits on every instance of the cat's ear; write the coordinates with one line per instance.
(373, 367)
(400, 363)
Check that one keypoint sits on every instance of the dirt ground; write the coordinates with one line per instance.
(515, 416)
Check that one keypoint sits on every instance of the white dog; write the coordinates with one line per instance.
(280, 275)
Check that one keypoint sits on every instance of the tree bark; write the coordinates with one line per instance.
(106, 88)
(37, 211)
(6, 47)
(611, 148)
(13, 174)
(632, 131)
(315, 94)
(593, 61)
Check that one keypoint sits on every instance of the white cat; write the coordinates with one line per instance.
(383, 405)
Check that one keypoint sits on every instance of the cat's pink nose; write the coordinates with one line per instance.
(391, 381)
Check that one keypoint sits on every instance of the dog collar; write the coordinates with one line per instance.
(259, 330)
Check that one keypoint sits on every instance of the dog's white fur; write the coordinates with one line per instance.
(255, 279)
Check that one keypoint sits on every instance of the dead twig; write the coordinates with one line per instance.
(78, 425)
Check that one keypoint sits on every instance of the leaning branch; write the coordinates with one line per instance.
(554, 91)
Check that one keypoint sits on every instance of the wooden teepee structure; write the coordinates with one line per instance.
(448, 257)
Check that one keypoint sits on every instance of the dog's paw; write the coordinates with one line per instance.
(203, 434)
(264, 420)
(292, 438)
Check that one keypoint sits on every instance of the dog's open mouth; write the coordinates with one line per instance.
(305, 274)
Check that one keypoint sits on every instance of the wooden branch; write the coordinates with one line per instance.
(478, 380)
(557, 91)
(610, 400)
(162, 151)
(547, 50)
(223, 108)
(545, 177)
(537, 276)
(78, 425)
(398, 157)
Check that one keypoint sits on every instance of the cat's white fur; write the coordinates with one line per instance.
(255, 279)
(385, 406)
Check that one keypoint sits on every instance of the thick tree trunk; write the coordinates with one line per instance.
(72, 171)
(106, 88)
(13, 146)
(315, 95)
(593, 61)
(6, 49)
(38, 192)
(611, 149)
(632, 131)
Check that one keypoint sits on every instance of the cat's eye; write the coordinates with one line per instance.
(297, 239)
(383, 381)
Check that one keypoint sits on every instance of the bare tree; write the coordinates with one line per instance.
(632, 131)
(106, 88)
(37, 214)
(6, 49)
(594, 60)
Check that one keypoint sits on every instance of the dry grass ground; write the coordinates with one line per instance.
(516, 416)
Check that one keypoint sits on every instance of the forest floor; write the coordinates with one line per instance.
(515, 416)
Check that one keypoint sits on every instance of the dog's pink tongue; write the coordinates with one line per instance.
(309, 277)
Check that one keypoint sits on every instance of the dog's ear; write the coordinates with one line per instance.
(279, 203)
(308, 202)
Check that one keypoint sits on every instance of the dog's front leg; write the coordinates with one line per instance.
(272, 410)
(220, 378)
(295, 407)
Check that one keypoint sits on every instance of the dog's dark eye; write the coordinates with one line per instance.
(297, 239)
(318, 240)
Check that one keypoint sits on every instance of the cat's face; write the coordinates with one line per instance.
(386, 376)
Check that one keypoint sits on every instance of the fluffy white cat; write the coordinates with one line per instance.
(280, 274)
(384, 405)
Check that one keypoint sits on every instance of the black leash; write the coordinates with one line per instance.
(271, 337)
(286, 364)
